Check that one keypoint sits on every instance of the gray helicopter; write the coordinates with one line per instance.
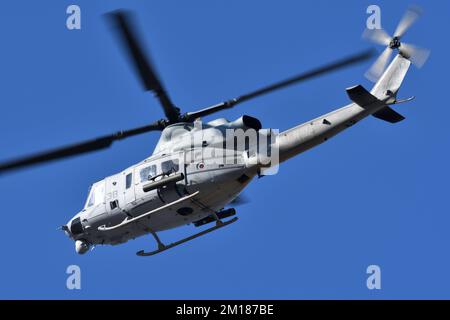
(198, 169)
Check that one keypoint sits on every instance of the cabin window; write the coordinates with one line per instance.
(147, 173)
(97, 195)
(170, 166)
(128, 180)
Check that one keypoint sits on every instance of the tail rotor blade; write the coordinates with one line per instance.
(374, 73)
(411, 15)
(378, 36)
(418, 56)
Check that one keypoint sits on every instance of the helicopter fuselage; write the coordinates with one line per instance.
(123, 196)
(179, 168)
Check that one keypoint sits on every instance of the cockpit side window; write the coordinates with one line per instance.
(128, 180)
(170, 166)
(97, 195)
(147, 172)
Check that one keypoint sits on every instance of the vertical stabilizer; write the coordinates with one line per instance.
(391, 80)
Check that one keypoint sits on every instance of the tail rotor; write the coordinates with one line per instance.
(418, 56)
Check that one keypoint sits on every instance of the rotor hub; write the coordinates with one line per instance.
(395, 43)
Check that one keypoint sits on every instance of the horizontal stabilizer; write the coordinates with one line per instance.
(389, 115)
(359, 95)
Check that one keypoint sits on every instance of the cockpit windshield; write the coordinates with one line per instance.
(96, 195)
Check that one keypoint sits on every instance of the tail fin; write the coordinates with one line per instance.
(388, 85)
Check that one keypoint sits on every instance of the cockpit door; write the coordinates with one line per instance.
(113, 201)
(128, 190)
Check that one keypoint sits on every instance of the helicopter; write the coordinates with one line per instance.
(198, 169)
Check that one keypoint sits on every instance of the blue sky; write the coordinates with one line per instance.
(376, 194)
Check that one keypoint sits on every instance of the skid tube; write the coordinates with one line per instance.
(162, 247)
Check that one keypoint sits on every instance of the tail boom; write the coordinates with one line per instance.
(312, 133)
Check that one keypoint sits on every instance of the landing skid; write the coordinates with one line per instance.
(162, 247)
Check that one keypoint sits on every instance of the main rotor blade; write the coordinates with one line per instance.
(76, 149)
(142, 62)
(190, 116)
(411, 15)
